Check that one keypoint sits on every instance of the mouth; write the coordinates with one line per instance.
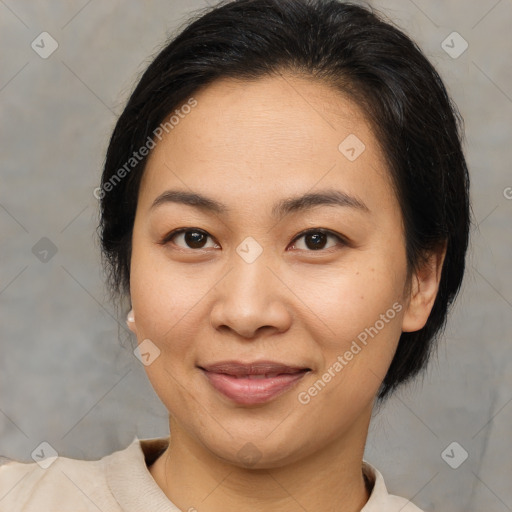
(253, 383)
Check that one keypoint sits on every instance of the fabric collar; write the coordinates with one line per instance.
(126, 467)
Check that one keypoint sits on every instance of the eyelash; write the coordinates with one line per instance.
(342, 241)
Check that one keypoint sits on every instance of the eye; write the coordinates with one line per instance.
(193, 238)
(315, 239)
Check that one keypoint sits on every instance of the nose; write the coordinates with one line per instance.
(251, 299)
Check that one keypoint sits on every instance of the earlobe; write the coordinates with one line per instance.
(423, 292)
(130, 320)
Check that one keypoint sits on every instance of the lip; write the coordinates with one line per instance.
(237, 368)
(253, 383)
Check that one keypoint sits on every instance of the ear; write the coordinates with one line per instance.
(423, 290)
(130, 321)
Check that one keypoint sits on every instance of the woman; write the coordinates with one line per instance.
(285, 205)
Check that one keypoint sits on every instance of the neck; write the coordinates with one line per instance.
(329, 479)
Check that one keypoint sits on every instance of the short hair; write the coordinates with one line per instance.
(363, 55)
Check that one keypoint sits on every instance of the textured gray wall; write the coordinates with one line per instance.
(65, 377)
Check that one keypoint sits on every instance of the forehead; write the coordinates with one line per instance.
(281, 133)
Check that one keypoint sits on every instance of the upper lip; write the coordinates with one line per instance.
(238, 368)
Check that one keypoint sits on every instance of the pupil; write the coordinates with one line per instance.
(194, 239)
(318, 240)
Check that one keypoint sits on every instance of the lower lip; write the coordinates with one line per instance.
(252, 391)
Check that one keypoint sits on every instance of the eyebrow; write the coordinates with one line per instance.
(282, 208)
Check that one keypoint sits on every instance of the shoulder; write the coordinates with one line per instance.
(61, 483)
(380, 500)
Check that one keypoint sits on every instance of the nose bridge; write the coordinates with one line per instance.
(251, 281)
(250, 296)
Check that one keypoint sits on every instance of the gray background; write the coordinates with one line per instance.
(67, 372)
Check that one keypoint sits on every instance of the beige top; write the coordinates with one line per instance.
(121, 482)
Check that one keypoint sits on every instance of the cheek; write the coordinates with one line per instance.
(362, 310)
(363, 313)
(165, 302)
(165, 315)
(354, 299)
(163, 297)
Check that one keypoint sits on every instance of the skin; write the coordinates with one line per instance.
(249, 145)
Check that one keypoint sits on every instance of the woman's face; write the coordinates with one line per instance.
(245, 284)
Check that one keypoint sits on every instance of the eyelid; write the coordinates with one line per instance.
(167, 238)
(341, 239)
(328, 232)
